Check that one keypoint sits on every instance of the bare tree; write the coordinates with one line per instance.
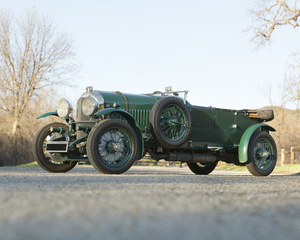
(271, 14)
(292, 77)
(266, 90)
(33, 55)
(267, 17)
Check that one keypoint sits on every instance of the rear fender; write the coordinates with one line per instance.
(131, 121)
(244, 143)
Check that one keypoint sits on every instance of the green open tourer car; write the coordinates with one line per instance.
(113, 129)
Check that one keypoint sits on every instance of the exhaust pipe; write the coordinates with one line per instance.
(197, 157)
(187, 157)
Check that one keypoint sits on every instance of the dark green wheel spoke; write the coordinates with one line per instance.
(171, 135)
(164, 127)
(165, 114)
(167, 132)
(177, 114)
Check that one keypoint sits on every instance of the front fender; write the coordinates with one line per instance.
(122, 112)
(47, 114)
(130, 119)
(244, 143)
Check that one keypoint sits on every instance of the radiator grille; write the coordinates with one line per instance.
(141, 117)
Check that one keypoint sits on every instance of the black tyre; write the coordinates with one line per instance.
(47, 160)
(170, 122)
(262, 154)
(202, 169)
(112, 146)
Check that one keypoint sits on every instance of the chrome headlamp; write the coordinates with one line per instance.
(64, 108)
(89, 106)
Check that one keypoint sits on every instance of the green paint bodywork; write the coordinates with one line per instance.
(139, 106)
(244, 143)
(212, 129)
(47, 114)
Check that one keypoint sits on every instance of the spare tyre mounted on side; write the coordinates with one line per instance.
(170, 122)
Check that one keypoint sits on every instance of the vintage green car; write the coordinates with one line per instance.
(112, 130)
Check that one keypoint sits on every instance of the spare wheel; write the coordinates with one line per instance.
(170, 122)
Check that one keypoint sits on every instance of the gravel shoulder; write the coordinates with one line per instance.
(147, 203)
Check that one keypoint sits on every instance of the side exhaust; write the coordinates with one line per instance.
(197, 157)
(187, 157)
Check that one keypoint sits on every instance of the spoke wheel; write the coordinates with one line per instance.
(112, 146)
(170, 122)
(262, 154)
(202, 169)
(51, 162)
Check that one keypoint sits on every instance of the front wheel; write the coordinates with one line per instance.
(51, 162)
(202, 169)
(262, 154)
(112, 146)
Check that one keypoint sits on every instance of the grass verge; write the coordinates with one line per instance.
(33, 164)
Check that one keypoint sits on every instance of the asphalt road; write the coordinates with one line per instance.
(147, 203)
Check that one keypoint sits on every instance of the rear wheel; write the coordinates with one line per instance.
(262, 154)
(51, 162)
(112, 146)
(202, 169)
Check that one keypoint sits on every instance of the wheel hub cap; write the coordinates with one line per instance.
(265, 154)
(116, 147)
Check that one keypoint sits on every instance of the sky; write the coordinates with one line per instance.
(142, 46)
